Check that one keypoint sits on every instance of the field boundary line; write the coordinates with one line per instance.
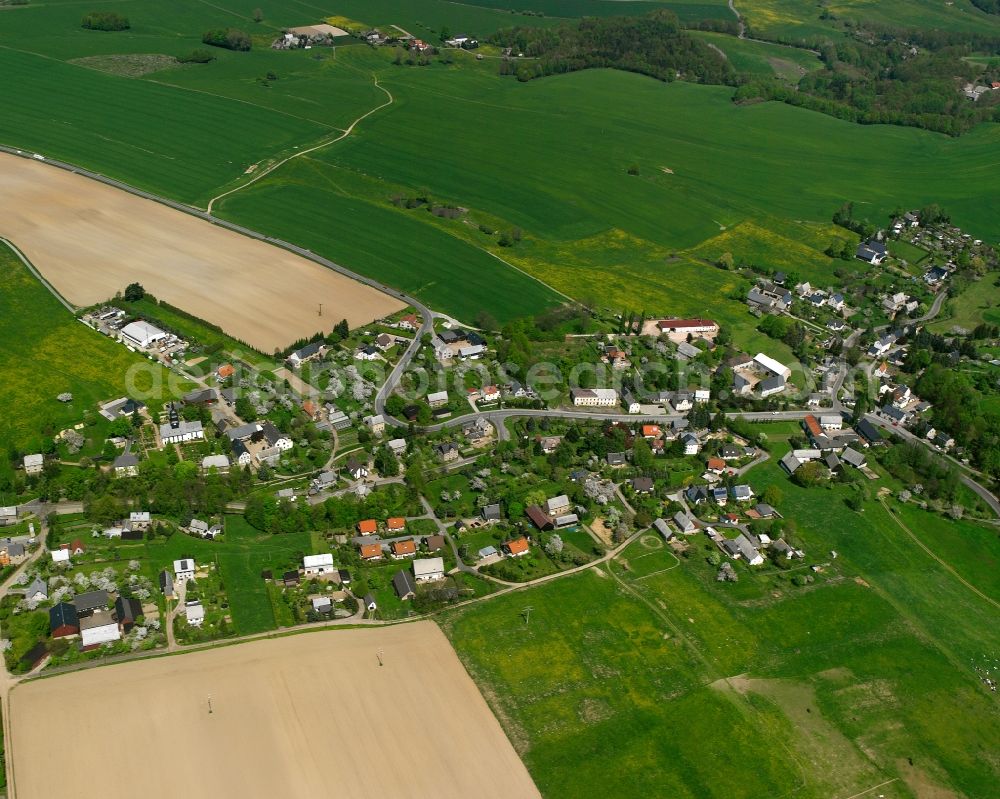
(38, 275)
(347, 132)
(528, 274)
(943, 563)
(874, 787)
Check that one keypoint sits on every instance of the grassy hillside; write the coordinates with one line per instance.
(867, 677)
(793, 20)
(45, 351)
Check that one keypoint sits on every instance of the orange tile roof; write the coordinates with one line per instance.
(367, 526)
(716, 463)
(650, 430)
(517, 546)
(812, 425)
(395, 523)
(371, 550)
(226, 370)
(406, 547)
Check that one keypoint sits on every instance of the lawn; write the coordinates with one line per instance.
(45, 351)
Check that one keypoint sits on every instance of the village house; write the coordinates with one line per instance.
(184, 570)
(405, 548)
(127, 612)
(872, 252)
(308, 353)
(370, 551)
(356, 469)
(194, 613)
(376, 424)
(33, 464)
(516, 548)
(403, 585)
(437, 399)
(126, 465)
(367, 527)
(448, 452)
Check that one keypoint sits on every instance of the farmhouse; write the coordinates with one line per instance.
(684, 522)
(127, 611)
(594, 397)
(141, 334)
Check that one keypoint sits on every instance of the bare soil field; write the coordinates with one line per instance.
(302, 716)
(91, 240)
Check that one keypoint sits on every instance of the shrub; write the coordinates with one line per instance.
(105, 21)
(227, 38)
(198, 56)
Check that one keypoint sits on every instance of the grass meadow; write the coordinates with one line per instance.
(865, 676)
(45, 351)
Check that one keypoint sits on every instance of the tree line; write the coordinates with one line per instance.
(654, 45)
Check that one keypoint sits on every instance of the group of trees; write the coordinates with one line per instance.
(958, 408)
(105, 21)
(227, 38)
(882, 75)
(654, 45)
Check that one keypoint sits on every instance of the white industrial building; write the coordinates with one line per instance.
(427, 569)
(141, 334)
(318, 564)
(100, 628)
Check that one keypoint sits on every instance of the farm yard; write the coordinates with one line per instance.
(259, 719)
(270, 296)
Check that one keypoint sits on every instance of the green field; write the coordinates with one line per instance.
(549, 158)
(45, 351)
(866, 676)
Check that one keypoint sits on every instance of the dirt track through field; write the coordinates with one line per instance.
(303, 716)
(90, 240)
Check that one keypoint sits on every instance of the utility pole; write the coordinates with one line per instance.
(210, 704)
(379, 656)
(321, 309)
(526, 612)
